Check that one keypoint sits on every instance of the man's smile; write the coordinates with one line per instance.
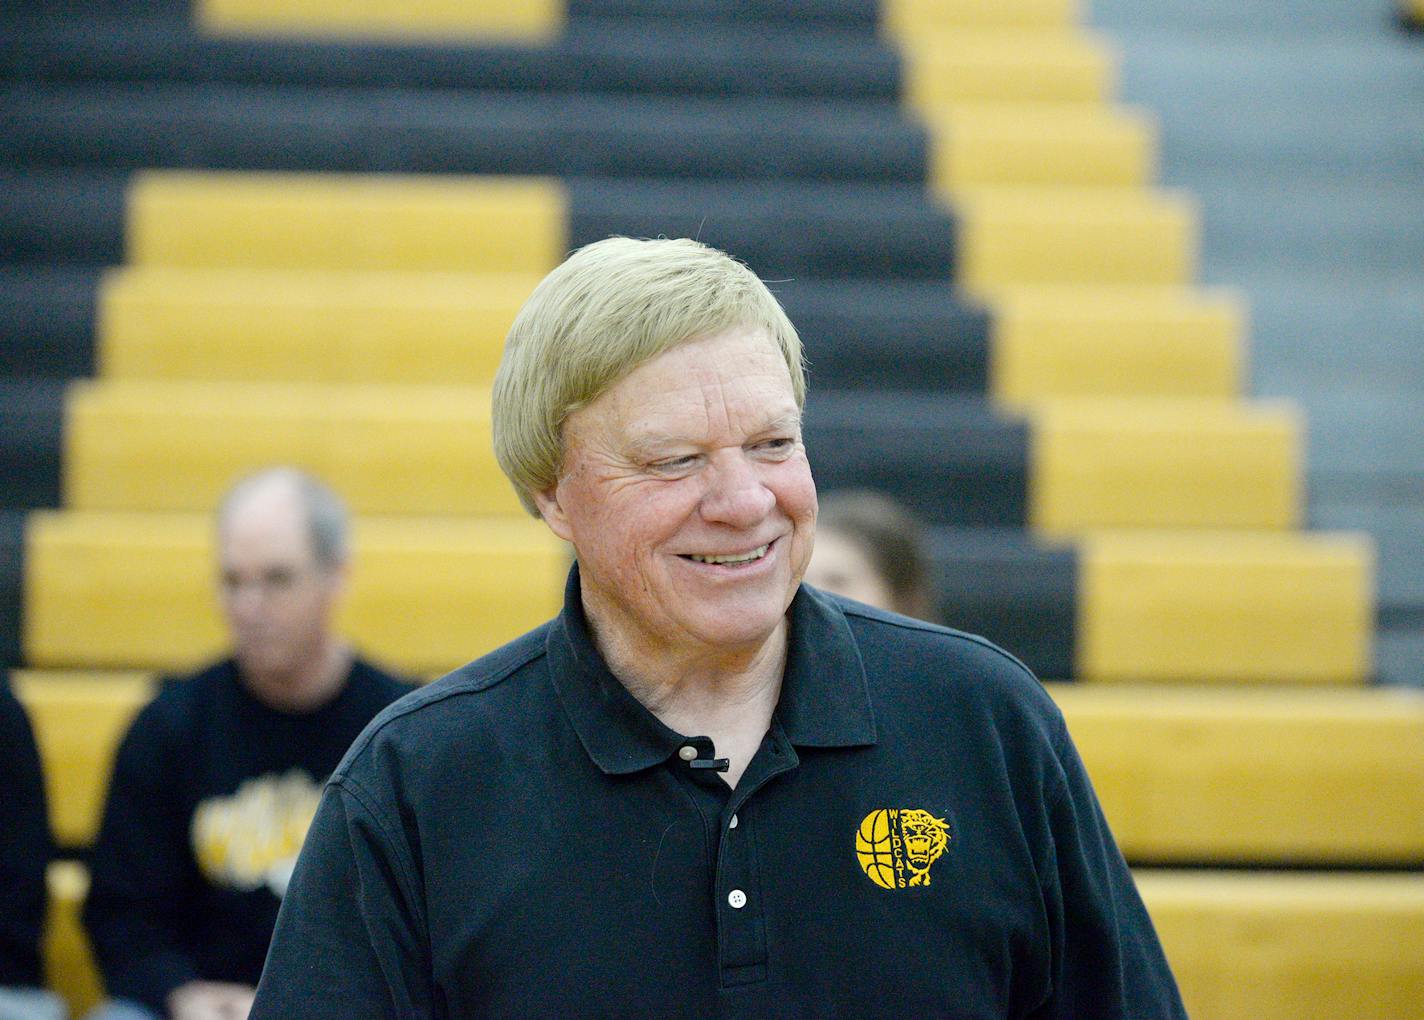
(730, 559)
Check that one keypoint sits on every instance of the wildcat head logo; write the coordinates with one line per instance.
(897, 846)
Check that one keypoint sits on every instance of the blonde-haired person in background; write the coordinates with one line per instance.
(704, 789)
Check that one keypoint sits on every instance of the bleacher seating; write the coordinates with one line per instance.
(79, 718)
(1411, 15)
(1272, 944)
(238, 231)
(135, 589)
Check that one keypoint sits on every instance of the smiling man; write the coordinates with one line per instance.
(704, 789)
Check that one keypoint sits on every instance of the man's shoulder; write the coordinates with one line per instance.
(456, 702)
(377, 682)
(180, 694)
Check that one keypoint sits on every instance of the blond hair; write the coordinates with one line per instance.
(610, 307)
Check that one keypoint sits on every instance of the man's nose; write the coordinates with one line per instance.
(245, 599)
(735, 493)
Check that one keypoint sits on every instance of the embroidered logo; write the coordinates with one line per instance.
(896, 847)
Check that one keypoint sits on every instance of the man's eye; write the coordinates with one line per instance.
(781, 445)
(674, 464)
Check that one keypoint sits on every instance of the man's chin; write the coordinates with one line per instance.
(265, 664)
(738, 626)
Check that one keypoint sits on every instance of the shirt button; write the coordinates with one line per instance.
(687, 753)
(737, 899)
(733, 823)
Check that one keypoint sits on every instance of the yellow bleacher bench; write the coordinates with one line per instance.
(1237, 607)
(1243, 946)
(911, 17)
(158, 322)
(942, 68)
(1255, 775)
(1131, 463)
(346, 221)
(69, 961)
(137, 590)
(1053, 235)
(138, 445)
(526, 20)
(1292, 946)
(79, 719)
(1085, 341)
(1039, 144)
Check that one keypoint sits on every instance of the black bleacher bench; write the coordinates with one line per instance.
(31, 429)
(47, 319)
(129, 126)
(861, 16)
(951, 459)
(12, 586)
(1012, 587)
(593, 54)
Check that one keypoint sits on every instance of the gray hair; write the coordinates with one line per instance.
(327, 520)
(610, 307)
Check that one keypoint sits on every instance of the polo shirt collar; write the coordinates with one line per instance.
(824, 698)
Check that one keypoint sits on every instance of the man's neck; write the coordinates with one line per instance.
(726, 695)
(309, 685)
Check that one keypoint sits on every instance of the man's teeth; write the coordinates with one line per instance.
(755, 554)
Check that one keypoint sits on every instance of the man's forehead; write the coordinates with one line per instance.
(274, 524)
(650, 433)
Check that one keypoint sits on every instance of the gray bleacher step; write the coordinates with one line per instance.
(1364, 225)
(1398, 528)
(1399, 657)
(1334, 328)
(1271, 17)
(1357, 436)
(1285, 107)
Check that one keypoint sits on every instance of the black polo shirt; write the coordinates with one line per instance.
(915, 836)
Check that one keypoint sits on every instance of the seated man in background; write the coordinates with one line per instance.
(871, 549)
(25, 851)
(217, 780)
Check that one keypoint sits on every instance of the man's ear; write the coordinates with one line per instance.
(335, 578)
(552, 510)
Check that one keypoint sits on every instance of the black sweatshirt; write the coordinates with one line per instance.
(211, 795)
(25, 846)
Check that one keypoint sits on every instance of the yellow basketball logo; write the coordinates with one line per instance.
(896, 846)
